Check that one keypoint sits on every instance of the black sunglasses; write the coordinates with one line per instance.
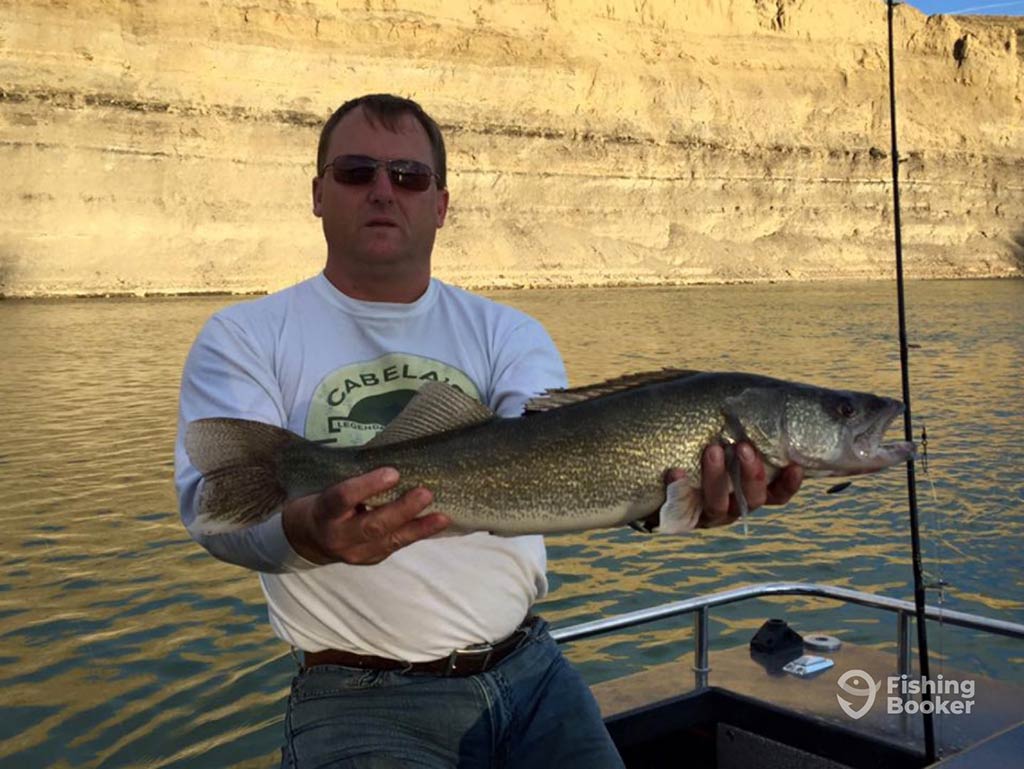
(361, 169)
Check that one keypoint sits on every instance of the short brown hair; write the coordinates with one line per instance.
(387, 109)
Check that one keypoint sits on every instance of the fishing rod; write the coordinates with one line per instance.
(908, 430)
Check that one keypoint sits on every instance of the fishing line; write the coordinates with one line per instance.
(938, 538)
(908, 430)
(924, 462)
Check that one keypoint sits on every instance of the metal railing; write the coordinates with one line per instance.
(702, 605)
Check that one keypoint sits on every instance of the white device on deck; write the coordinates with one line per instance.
(808, 665)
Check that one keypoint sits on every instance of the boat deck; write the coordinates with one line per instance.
(745, 703)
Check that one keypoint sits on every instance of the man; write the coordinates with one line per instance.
(376, 604)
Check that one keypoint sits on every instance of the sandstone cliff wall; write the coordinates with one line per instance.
(151, 146)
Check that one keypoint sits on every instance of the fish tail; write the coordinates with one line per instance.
(239, 462)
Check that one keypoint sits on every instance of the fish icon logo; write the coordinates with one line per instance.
(860, 684)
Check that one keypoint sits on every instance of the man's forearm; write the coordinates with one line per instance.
(264, 548)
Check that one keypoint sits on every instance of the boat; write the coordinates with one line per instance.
(732, 708)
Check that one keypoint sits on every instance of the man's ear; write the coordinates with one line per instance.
(318, 193)
(442, 207)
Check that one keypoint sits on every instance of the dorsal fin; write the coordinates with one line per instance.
(436, 408)
(553, 399)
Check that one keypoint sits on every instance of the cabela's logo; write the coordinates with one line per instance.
(354, 403)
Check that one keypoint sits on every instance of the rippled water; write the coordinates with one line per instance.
(123, 644)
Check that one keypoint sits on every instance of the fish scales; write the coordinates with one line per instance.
(598, 464)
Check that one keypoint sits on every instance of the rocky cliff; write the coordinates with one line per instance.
(151, 146)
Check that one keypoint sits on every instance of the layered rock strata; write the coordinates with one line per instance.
(154, 147)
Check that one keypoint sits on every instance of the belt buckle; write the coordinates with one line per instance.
(475, 652)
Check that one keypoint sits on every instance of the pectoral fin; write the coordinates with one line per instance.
(732, 464)
(682, 508)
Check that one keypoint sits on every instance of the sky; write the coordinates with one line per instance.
(1000, 7)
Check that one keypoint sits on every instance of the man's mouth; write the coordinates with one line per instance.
(382, 222)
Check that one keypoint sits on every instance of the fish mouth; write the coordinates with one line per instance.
(869, 453)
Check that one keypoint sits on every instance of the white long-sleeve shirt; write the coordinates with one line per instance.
(330, 367)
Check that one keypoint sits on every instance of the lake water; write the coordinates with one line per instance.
(123, 644)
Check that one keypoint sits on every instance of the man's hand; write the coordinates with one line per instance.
(720, 508)
(336, 526)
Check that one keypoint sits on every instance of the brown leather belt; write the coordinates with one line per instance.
(469, 661)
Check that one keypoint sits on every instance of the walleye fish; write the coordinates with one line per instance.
(581, 458)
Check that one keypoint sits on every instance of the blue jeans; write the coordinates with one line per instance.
(532, 711)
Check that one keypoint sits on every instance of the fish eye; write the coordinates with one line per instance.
(846, 409)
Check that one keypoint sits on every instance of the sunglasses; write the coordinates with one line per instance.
(356, 170)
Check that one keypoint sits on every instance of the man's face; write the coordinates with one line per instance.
(378, 224)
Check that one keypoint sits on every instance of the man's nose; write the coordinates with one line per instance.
(381, 189)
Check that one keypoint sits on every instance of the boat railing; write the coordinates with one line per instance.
(701, 607)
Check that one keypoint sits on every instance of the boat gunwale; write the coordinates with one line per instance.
(702, 603)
